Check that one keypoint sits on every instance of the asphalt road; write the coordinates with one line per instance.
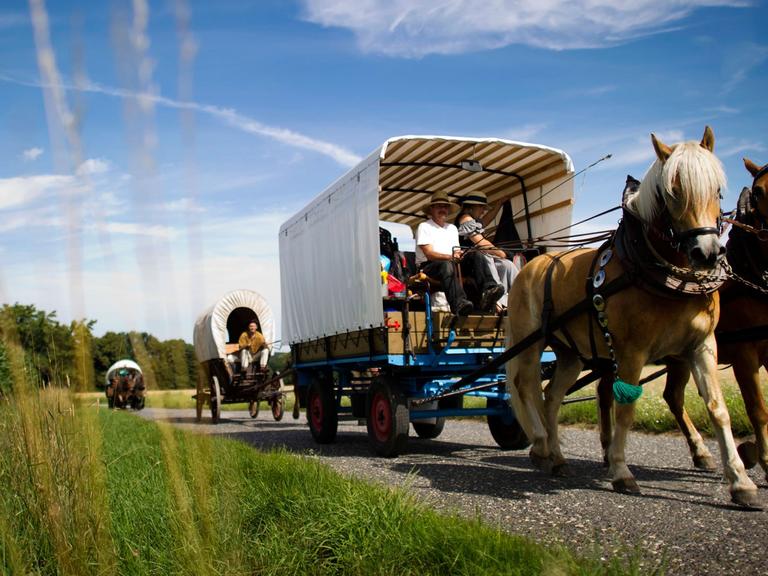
(683, 519)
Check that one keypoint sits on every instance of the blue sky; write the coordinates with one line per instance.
(149, 150)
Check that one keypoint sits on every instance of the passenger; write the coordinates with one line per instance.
(474, 217)
(252, 343)
(437, 248)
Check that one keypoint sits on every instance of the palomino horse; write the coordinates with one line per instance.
(741, 332)
(628, 316)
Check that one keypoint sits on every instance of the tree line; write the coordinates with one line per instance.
(57, 354)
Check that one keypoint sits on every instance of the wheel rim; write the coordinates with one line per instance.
(381, 413)
(316, 411)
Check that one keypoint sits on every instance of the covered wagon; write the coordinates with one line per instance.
(389, 357)
(232, 373)
(124, 385)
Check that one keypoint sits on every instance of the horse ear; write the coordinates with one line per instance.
(662, 150)
(708, 140)
(752, 168)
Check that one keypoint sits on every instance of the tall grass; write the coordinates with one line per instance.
(92, 491)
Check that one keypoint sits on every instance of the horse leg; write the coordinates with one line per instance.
(678, 374)
(746, 370)
(566, 372)
(605, 413)
(704, 369)
(621, 477)
(527, 401)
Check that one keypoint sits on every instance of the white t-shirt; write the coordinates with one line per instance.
(443, 239)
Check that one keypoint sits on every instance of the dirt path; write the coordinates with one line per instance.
(683, 518)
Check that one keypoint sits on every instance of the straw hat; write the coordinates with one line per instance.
(475, 198)
(440, 198)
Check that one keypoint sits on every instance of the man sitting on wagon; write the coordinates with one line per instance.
(437, 248)
(251, 344)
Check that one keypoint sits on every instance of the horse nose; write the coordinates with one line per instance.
(705, 251)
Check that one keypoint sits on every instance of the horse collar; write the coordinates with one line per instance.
(654, 273)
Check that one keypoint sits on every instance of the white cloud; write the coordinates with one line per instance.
(414, 29)
(640, 150)
(184, 205)
(733, 147)
(743, 58)
(227, 115)
(12, 20)
(22, 190)
(120, 290)
(525, 133)
(92, 166)
(31, 154)
(135, 229)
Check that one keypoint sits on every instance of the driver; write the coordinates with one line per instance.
(251, 344)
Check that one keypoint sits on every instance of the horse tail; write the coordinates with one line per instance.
(513, 367)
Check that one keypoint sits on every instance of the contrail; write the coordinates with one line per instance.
(227, 115)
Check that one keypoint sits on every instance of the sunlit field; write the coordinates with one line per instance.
(94, 491)
(651, 412)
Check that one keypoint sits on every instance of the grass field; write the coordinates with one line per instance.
(89, 491)
(651, 413)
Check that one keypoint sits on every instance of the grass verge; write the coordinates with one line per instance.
(103, 492)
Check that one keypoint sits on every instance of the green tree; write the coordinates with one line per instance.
(50, 348)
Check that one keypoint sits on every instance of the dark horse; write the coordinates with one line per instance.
(596, 307)
(742, 332)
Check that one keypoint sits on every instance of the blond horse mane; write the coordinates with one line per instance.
(700, 174)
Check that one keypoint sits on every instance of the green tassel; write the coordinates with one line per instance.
(626, 393)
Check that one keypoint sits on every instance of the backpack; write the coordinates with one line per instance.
(389, 248)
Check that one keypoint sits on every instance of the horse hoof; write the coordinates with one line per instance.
(746, 499)
(561, 470)
(704, 463)
(541, 462)
(626, 486)
(748, 453)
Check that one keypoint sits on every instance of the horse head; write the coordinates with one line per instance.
(680, 194)
(758, 197)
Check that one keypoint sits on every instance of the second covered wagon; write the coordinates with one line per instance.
(226, 375)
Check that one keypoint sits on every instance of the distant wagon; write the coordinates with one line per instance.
(125, 385)
(224, 379)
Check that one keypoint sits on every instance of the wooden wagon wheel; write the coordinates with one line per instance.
(278, 408)
(215, 400)
(253, 408)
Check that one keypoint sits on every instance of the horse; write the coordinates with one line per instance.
(741, 332)
(648, 293)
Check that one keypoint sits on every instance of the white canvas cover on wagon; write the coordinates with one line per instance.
(329, 250)
(214, 328)
(127, 364)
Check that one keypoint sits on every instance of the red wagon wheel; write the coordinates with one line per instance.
(322, 414)
(387, 418)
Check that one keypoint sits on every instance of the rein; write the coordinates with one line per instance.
(761, 233)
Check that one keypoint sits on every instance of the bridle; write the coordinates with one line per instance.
(678, 239)
(762, 232)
